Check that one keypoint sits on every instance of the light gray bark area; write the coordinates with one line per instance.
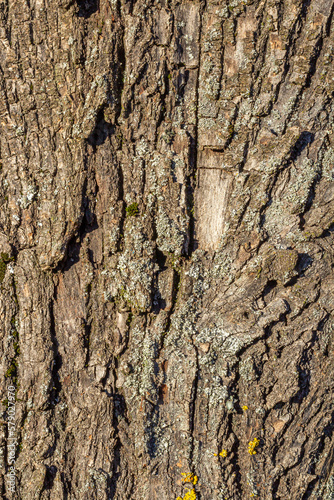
(166, 240)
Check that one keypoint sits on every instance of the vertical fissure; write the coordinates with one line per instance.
(192, 179)
(57, 360)
(192, 409)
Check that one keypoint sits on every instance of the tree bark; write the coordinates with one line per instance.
(166, 238)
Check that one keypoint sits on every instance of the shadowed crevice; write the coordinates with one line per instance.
(87, 224)
(87, 7)
(101, 132)
(56, 363)
(50, 475)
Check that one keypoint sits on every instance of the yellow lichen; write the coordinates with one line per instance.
(223, 454)
(190, 495)
(252, 445)
(189, 478)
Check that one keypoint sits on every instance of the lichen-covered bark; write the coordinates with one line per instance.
(166, 239)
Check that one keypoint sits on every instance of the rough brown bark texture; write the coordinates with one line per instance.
(166, 238)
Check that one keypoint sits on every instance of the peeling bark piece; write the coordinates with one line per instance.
(211, 203)
(187, 24)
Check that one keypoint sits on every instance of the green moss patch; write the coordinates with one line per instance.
(132, 210)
